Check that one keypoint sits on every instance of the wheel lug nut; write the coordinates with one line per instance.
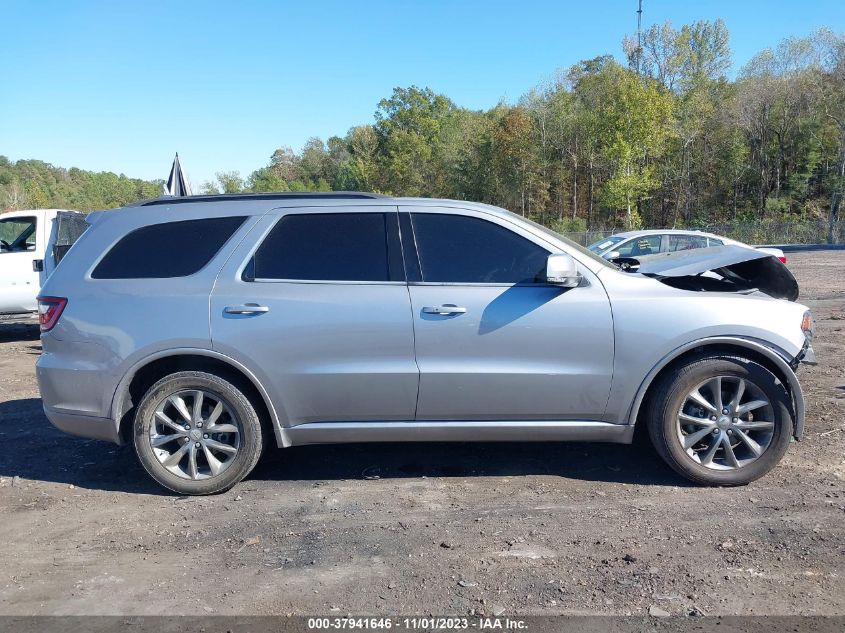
(205, 436)
(736, 420)
(730, 432)
(713, 418)
(199, 424)
(715, 431)
(197, 444)
(725, 410)
(187, 427)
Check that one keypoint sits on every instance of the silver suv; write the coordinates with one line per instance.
(203, 329)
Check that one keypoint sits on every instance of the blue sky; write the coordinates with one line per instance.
(121, 86)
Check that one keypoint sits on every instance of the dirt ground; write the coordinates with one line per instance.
(436, 528)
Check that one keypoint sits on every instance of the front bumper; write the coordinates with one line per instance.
(84, 425)
(807, 356)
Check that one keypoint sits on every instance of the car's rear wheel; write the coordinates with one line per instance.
(196, 433)
(720, 420)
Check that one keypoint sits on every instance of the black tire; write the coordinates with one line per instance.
(242, 412)
(670, 395)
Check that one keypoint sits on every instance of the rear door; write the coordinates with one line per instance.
(493, 340)
(19, 283)
(316, 305)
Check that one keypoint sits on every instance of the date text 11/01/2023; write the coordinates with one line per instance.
(416, 623)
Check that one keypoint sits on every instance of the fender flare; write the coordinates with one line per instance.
(122, 389)
(777, 358)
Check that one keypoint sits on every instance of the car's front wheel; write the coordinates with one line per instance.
(720, 420)
(196, 433)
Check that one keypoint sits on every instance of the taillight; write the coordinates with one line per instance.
(49, 311)
(782, 259)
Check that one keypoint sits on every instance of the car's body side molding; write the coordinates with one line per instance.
(120, 396)
(460, 431)
(777, 358)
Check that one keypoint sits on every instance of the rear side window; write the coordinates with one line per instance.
(170, 249)
(686, 242)
(461, 249)
(325, 247)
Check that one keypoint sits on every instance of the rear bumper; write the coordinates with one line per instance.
(74, 378)
(84, 425)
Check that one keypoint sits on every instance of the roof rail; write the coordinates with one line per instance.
(288, 195)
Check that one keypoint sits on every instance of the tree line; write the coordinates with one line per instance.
(34, 184)
(664, 140)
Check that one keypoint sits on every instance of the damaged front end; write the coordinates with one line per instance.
(717, 269)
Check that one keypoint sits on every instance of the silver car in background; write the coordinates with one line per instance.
(653, 241)
(203, 329)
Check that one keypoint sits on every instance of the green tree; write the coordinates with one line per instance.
(265, 180)
(36, 184)
(408, 125)
(634, 125)
(229, 181)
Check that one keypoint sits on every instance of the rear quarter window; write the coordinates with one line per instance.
(169, 249)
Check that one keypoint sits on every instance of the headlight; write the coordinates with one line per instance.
(807, 325)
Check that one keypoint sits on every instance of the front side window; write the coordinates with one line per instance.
(169, 249)
(17, 235)
(324, 247)
(646, 245)
(462, 249)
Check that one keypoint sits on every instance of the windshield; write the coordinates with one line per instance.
(603, 245)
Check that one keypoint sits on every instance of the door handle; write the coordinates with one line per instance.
(444, 310)
(249, 308)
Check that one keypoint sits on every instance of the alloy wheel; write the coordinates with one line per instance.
(725, 423)
(194, 434)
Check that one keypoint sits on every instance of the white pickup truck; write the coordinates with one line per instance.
(32, 243)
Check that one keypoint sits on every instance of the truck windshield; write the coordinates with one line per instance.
(17, 234)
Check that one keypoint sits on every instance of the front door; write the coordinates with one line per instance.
(493, 341)
(19, 283)
(320, 312)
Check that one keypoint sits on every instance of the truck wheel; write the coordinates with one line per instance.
(196, 433)
(720, 420)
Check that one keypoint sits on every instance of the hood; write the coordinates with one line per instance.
(719, 268)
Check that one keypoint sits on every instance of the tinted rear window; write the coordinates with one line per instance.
(325, 247)
(170, 249)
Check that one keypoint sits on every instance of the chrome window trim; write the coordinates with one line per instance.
(333, 282)
(469, 284)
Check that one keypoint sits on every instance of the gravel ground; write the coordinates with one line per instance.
(436, 528)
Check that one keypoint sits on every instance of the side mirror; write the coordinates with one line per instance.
(612, 255)
(562, 271)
